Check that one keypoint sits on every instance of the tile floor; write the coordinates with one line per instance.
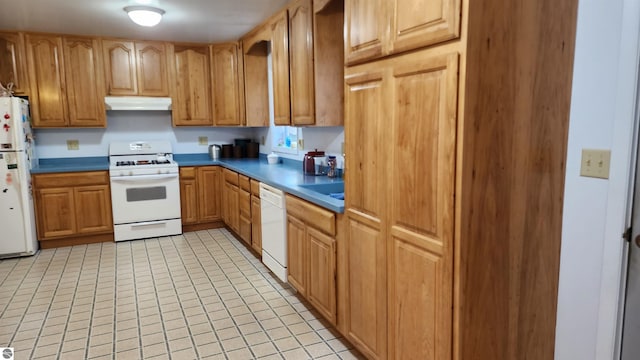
(201, 295)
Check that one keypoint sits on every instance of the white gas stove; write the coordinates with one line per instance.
(145, 190)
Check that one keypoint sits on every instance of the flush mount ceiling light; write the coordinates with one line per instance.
(144, 15)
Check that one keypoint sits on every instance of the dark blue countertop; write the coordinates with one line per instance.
(286, 175)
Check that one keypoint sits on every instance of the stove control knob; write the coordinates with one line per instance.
(130, 173)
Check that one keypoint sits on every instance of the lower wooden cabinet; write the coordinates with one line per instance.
(256, 214)
(72, 204)
(311, 254)
(200, 194)
(230, 198)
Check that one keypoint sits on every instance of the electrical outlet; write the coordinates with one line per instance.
(301, 144)
(595, 163)
(262, 141)
(73, 145)
(203, 140)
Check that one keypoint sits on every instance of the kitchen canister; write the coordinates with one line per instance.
(272, 158)
(214, 151)
(227, 151)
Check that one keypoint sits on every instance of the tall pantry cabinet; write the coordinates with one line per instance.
(456, 118)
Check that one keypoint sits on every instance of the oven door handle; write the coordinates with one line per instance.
(139, 178)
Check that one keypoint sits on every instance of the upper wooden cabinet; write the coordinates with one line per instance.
(314, 68)
(136, 68)
(13, 64)
(85, 82)
(67, 85)
(192, 95)
(280, 69)
(226, 74)
(255, 49)
(377, 28)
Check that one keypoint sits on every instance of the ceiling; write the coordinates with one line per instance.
(207, 21)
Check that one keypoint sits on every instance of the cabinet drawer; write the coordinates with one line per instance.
(188, 172)
(315, 216)
(255, 188)
(244, 182)
(231, 177)
(70, 179)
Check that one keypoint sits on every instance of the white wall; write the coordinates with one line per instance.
(133, 125)
(602, 111)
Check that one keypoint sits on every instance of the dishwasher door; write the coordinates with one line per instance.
(274, 230)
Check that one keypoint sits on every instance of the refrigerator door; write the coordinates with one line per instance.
(15, 125)
(17, 220)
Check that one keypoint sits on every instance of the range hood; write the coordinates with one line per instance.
(137, 103)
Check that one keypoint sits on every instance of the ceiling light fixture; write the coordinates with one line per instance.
(144, 15)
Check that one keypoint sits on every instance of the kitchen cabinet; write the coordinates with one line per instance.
(72, 204)
(244, 209)
(226, 77)
(301, 62)
(13, 63)
(378, 28)
(200, 194)
(255, 49)
(66, 88)
(280, 69)
(256, 220)
(136, 68)
(192, 96)
(311, 254)
(231, 204)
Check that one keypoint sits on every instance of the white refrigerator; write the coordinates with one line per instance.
(17, 154)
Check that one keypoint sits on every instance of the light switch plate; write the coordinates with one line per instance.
(595, 163)
(203, 140)
(73, 145)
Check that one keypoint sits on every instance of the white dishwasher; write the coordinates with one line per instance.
(274, 230)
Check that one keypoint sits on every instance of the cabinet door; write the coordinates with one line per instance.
(209, 193)
(418, 23)
(85, 82)
(152, 69)
(256, 84)
(233, 210)
(366, 128)
(120, 67)
(321, 289)
(280, 69)
(301, 63)
(47, 81)
(225, 202)
(13, 64)
(244, 199)
(227, 102)
(55, 209)
(256, 224)
(421, 204)
(93, 209)
(192, 105)
(188, 201)
(365, 29)
(296, 254)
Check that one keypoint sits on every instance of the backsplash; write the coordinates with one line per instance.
(132, 126)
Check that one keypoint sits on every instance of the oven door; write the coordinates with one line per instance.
(142, 198)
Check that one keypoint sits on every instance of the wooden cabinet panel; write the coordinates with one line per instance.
(366, 312)
(256, 224)
(227, 101)
(56, 212)
(152, 69)
(192, 103)
(233, 211)
(244, 205)
(422, 206)
(296, 254)
(365, 131)
(13, 63)
(93, 209)
(321, 219)
(85, 82)
(188, 200)
(256, 85)
(418, 23)
(280, 69)
(365, 27)
(120, 67)
(47, 81)
(301, 63)
(321, 288)
(209, 193)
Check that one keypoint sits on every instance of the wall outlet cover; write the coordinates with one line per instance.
(73, 145)
(203, 140)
